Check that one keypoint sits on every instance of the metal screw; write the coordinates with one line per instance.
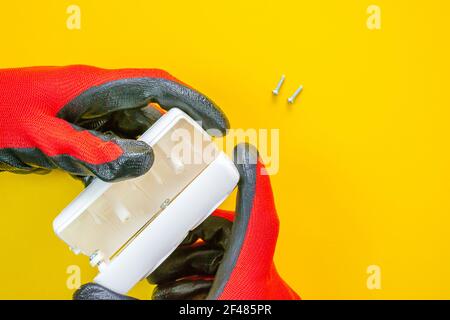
(280, 83)
(96, 258)
(165, 204)
(294, 96)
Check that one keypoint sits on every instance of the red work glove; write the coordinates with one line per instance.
(229, 256)
(84, 120)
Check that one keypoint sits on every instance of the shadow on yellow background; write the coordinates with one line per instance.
(364, 173)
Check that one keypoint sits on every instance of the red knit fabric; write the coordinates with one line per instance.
(31, 98)
(228, 215)
(255, 276)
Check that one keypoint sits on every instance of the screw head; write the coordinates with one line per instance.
(291, 99)
(276, 91)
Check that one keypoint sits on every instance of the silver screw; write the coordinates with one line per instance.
(96, 258)
(165, 204)
(294, 96)
(280, 83)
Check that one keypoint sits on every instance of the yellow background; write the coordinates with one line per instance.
(365, 166)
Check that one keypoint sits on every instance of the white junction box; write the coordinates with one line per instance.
(129, 228)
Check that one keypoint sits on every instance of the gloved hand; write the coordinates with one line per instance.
(84, 119)
(229, 256)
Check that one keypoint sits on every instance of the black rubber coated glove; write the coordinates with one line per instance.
(84, 120)
(229, 256)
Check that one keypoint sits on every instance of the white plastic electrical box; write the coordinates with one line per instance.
(129, 228)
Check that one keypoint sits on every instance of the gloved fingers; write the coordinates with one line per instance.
(94, 291)
(214, 231)
(134, 93)
(133, 123)
(128, 123)
(186, 262)
(182, 290)
(59, 144)
(85, 180)
(191, 258)
(24, 169)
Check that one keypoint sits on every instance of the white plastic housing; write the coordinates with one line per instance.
(129, 228)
